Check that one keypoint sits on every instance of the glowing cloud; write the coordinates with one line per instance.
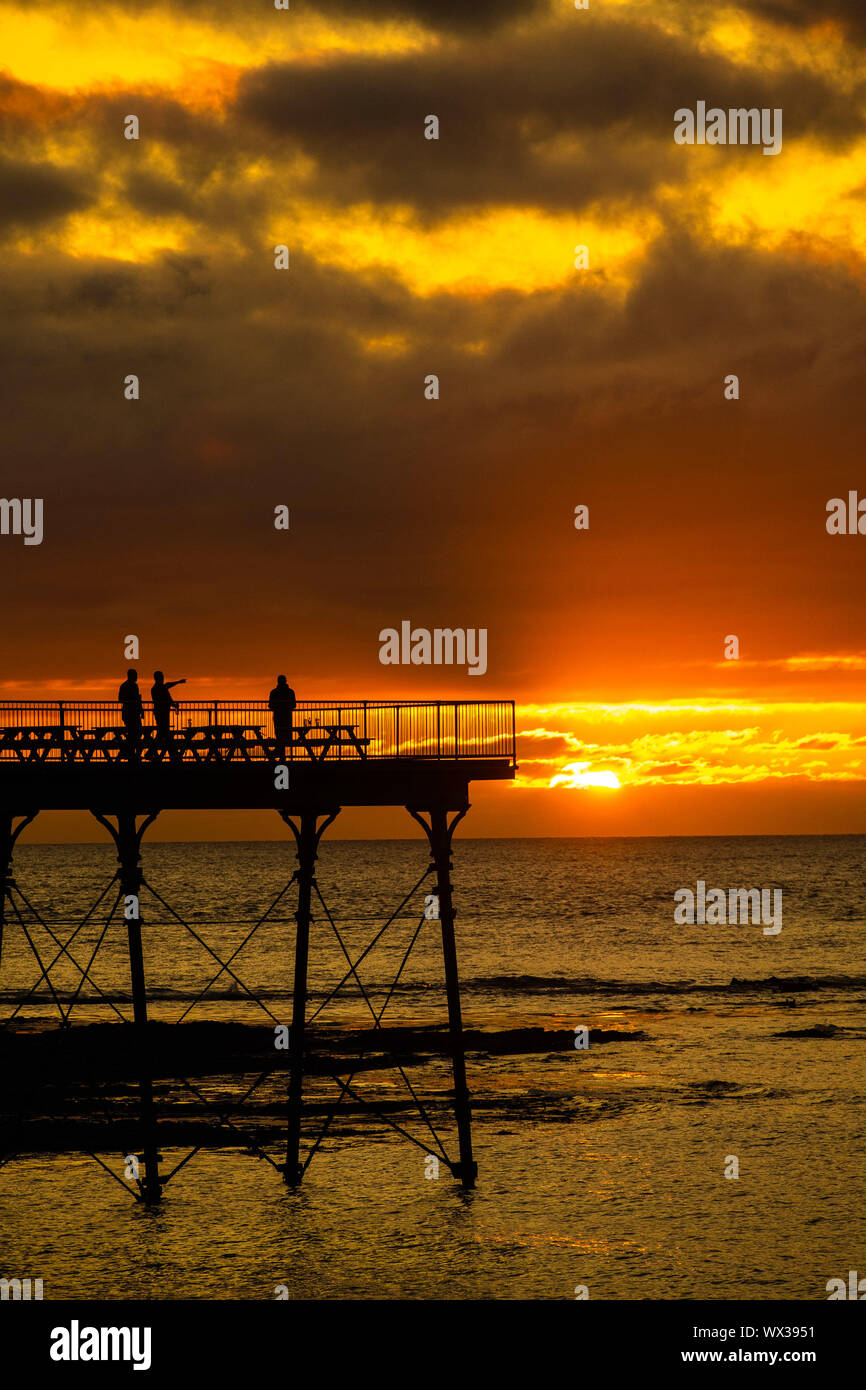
(578, 775)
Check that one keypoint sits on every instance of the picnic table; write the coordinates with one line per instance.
(87, 743)
(204, 742)
(220, 742)
(34, 742)
(328, 736)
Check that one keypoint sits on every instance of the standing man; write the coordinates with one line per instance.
(131, 711)
(281, 702)
(163, 704)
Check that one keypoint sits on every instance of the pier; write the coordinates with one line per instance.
(79, 756)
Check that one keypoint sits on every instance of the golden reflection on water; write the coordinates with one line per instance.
(587, 1245)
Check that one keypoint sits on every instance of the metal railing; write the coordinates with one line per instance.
(88, 730)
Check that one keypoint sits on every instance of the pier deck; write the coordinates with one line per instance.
(68, 755)
(79, 755)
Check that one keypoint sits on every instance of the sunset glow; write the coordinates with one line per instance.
(581, 775)
(687, 744)
(560, 385)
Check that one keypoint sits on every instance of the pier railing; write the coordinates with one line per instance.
(222, 730)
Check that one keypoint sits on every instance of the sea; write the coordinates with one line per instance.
(706, 1143)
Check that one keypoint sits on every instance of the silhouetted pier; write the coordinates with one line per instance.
(78, 755)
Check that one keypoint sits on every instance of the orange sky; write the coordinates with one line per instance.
(558, 387)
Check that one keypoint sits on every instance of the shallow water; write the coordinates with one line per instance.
(603, 1168)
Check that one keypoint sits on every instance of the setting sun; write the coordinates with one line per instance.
(579, 775)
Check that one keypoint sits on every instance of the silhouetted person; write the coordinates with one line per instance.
(163, 704)
(281, 702)
(131, 710)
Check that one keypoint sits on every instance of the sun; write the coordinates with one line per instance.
(578, 775)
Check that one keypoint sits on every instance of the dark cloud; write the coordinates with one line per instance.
(455, 15)
(157, 196)
(451, 16)
(256, 390)
(26, 108)
(259, 388)
(506, 106)
(559, 118)
(850, 15)
(33, 193)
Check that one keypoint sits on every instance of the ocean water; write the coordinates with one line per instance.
(602, 1167)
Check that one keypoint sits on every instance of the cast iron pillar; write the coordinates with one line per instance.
(439, 833)
(9, 833)
(307, 836)
(127, 837)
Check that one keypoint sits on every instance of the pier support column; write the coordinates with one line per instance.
(127, 837)
(307, 835)
(439, 833)
(9, 833)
